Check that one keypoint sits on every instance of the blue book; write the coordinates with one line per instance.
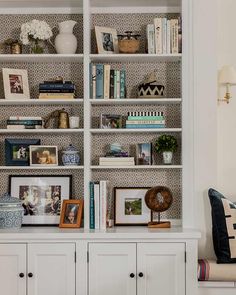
(144, 126)
(99, 81)
(24, 122)
(58, 86)
(122, 83)
(91, 206)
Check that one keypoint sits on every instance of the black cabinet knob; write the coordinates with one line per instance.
(30, 275)
(140, 274)
(21, 275)
(132, 275)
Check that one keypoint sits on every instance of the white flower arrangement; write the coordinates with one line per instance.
(35, 30)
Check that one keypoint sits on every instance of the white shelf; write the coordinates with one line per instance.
(41, 168)
(40, 101)
(150, 167)
(123, 130)
(47, 58)
(132, 101)
(135, 58)
(40, 131)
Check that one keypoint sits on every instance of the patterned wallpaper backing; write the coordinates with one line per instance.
(168, 74)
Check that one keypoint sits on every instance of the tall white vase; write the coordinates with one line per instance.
(66, 42)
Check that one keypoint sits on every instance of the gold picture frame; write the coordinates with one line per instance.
(71, 214)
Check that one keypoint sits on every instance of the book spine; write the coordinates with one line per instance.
(91, 206)
(145, 114)
(112, 84)
(103, 204)
(25, 118)
(151, 38)
(145, 122)
(100, 83)
(56, 86)
(97, 204)
(122, 83)
(115, 84)
(94, 81)
(147, 126)
(176, 36)
(56, 91)
(164, 28)
(168, 50)
(107, 69)
(55, 95)
(24, 122)
(20, 127)
(90, 80)
(158, 35)
(180, 34)
(118, 84)
(142, 118)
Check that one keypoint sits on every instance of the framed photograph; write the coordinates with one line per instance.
(107, 40)
(71, 213)
(16, 84)
(43, 155)
(130, 206)
(110, 121)
(17, 151)
(144, 154)
(41, 196)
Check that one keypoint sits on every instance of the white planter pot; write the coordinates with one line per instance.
(167, 158)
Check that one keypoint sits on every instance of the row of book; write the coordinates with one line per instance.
(147, 120)
(57, 90)
(16, 122)
(164, 36)
(98, 204)
(107, 83)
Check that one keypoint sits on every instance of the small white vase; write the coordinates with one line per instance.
(66, 42)
(167, 158)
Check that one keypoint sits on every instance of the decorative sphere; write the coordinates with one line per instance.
(158, 198)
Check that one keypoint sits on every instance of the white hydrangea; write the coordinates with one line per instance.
(35, 29)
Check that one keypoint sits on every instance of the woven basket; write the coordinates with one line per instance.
(151, 90)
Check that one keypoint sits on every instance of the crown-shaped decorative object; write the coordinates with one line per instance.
(150, 88)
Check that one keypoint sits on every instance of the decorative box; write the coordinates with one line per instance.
(11, 212)
(71, 156)
(129, 43)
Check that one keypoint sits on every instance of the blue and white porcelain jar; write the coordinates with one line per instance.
(70, 156)
(11, 212)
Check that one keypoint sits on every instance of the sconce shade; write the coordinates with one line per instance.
(227, 75)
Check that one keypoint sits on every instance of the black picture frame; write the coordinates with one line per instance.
(43, 208)
(11, 143)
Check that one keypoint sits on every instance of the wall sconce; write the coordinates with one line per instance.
(227, 77)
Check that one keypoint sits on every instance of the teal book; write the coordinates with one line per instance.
(99, 81)
(91, 206)
(122, 83)
(91, 79)
(144, 126)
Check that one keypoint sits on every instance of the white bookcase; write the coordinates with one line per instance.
(175, 71)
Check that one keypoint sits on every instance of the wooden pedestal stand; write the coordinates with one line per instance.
(159, 223)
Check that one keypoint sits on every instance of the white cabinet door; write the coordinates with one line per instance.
(51, 269)
(13, 269)
(161, 268)
(112, 269)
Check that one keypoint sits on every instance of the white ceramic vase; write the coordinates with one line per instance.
(66, 42)
(167, 158)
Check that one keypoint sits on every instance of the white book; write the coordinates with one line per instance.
(151, 38)
(97, 205)
(116, 164)
(107, 70)
(118, 159)
(168, 47)
(118, 84)
(158, 35)
(20, 127)
(174, 36)
(103, 204)
(94, 73)
(24, 118)
(164, 41)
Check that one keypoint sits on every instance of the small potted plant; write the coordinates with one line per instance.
(167, 145)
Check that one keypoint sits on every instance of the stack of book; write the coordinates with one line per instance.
(107, 83)
(25, 123)
(98, 204)
(116, 161)
(164, 36)
(146, 120)
(57, 90)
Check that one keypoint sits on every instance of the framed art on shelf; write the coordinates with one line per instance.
(144, 154)
(41, 196)
(16, 84)
(107, 40)
(71, 213)
(42, 155)
(130, 206)
(110, 121)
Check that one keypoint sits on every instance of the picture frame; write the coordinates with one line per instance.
(16, 84)
(107, 40)
(130, 207)
(71, 214)
(17, 151)
(144, 154)
(41, 196)
(43, 155)
(108, 121)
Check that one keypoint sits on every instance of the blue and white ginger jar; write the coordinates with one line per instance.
(71, 156)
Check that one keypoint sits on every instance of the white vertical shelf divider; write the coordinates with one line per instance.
(87, 109)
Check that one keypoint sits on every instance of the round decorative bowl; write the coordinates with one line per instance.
(129, 42)
(11, 212)
(70, 156)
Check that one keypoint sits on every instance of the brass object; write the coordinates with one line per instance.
(62, 119)
(16, 48)
(158, 199)
(129, 43)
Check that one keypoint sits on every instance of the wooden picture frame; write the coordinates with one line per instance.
(71, 214)
(107, 40)
(130, 207)
(43, 155)
(16, 84)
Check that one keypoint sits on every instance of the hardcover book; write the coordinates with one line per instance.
(99, 81)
